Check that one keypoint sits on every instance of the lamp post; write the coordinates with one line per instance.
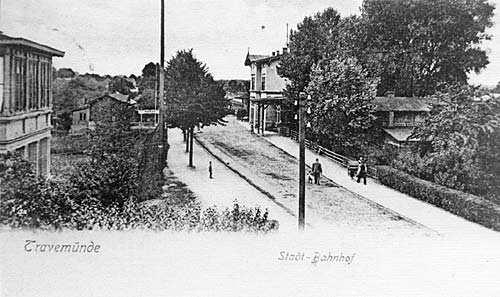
(302, 161)
(163, 134)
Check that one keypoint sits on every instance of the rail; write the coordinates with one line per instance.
(333, 156)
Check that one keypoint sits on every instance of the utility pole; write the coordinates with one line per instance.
(163, 133)
(302, 161)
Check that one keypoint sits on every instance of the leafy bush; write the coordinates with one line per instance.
(28, 201)
(459, 143)
(471, 207)
(241, 113)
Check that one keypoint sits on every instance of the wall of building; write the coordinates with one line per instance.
(26, 100)
(274, 82)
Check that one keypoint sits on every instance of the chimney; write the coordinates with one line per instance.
(277, 52)
(273, 54)
(285, 50)
(390, 94)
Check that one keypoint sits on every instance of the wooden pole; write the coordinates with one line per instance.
(191, 133)
(302, 162)
(163, 133)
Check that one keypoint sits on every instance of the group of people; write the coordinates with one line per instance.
(358, 169)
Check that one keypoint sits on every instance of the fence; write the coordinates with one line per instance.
(337, 158)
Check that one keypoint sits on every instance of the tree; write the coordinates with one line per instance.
(193, 96)
(72, 94)
(121, 85)
(417, 45)
(149, 70)
(65, 73)
(460, 143)
(342, 109)
(314, 39)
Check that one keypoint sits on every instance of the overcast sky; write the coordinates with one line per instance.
(121, 36)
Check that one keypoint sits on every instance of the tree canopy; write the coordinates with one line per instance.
(121, 85)
(313, 40)
(193, 96)
(417, 45)
(342, 110)
(460, 143)
(414, 46)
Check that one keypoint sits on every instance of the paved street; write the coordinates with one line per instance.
(274, 172)
(224, 188)
(262, 171)
(435, 218)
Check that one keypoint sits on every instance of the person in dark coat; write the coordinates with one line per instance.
(317, 170)
(362, 170)
(210, 169)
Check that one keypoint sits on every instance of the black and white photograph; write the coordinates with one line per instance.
(275, 148)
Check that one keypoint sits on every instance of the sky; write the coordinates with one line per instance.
(121, 36)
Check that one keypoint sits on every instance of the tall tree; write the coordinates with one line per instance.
(313, 40)
(121, 85)
(416, 45)
(193, 96)
(460, 143)
(342, 108)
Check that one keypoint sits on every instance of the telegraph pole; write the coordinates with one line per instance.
(163, 133)
(302, 161)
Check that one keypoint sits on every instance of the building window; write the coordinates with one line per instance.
(44, 85)
(20, 83)
(263, 82)
(1, 83)
(32, 100)
(252, 84)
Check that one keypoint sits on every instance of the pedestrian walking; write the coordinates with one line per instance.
(317, 170)
(362, 170)
(210, 171)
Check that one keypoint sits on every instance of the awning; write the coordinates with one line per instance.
(400, 134)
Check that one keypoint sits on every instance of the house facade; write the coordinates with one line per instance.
(399, 115)
(102, 109)
(26, 99)
(266, 91)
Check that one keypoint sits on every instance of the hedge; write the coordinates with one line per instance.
(468, 206)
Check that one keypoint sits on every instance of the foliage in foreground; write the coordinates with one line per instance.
(27, 201)
(460, 144)
(471, 207)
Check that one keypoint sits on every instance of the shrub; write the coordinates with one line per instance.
(468, 206)
(28, 201)
(241, 113)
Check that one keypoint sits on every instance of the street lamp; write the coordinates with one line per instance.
(302, 161)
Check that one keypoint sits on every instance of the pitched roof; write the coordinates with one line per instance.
(252, 58)
(401, 104)
(400, 134)
(7, 40)
(115, 96)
